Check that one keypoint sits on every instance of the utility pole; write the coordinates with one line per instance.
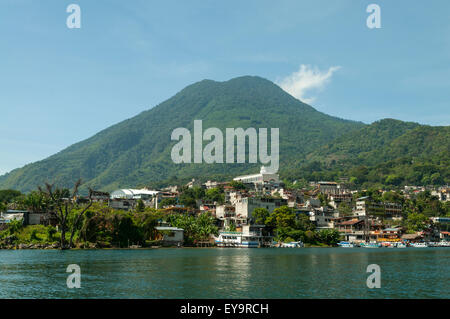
(366, 228)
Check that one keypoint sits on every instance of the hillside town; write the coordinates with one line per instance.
(250, 210)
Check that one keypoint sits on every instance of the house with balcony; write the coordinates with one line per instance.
(366, 206)
(323, 217)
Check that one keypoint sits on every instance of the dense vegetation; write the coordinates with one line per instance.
(102, 226)
(287, 226)
(387, 153)
(417, 208)
(313, 145)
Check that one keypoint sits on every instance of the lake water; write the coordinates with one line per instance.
(227, 273)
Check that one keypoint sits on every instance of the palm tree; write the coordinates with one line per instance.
(63, 202)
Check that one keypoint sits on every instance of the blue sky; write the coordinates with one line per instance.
(59, 86)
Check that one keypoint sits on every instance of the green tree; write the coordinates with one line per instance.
(417, 222)
(205, 226)
(33, 235)
(14, 226)
(50, 232)
(302, 222)
(283, 216)
(63, 203)
(35, 202)
(195, 228)
(189, 196)
(237, 185)
(329, 236)
(310, 237)
(8, 195)
(260, 215)
(214, 195)
(170, 201)
(344, 209)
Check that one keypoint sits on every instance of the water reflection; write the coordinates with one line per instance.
(226, 273)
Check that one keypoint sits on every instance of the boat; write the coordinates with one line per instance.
(238, 239)
(400, 245)
(292, 244)
(346, 244)
(370, 245)
(419, 245)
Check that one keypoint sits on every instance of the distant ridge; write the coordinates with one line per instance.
(137, 151)
(313, 145)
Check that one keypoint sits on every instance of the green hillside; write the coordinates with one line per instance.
(387, 152)
(136, 152)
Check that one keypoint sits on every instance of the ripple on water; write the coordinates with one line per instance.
(226, 273)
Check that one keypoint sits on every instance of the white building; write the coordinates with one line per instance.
(365, 206)
(261, 178)
(331, 188)
(323, 217)
(171, 235)
(443, 194)
(133, 194)
(245, 206)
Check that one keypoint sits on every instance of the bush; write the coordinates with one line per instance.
(33, 235)
(50, 232)
(288, 239)
(329, 236)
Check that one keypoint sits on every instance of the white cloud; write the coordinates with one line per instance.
(307, 78)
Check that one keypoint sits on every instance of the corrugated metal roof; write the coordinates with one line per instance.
(168, 228)
(132, 193)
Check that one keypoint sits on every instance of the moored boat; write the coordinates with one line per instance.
(293, 244)
(346, 244)
(419, 245)
(370, 245)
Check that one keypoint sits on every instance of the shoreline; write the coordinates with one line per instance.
(52, 247)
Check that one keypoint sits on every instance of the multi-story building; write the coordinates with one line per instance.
(331, 188)
(245, 206)
(323, 217)
(443, 194)
(337, 199)
(358, 229)
(366, 206)
(261, 178)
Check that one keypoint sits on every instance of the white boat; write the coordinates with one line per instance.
(400, 245)
(238, 239)
(346, 244)
(419, 245)
(444, 244)
(370, 245)
(293, 244)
